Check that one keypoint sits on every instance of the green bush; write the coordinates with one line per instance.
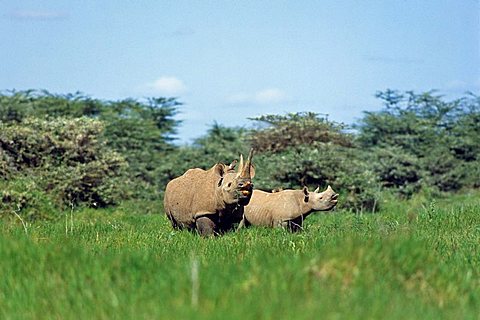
(24, 196)
(304, 149)
(397, 169)
(320, 165)
(18, 105)
(84, 151)
(278, 132)
(140, 131)
(421, 140)
(68, 158)
(220, 144)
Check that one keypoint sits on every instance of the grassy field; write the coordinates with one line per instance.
(412, 260)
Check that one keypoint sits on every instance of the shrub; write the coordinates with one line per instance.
(278, 132)
(140, 131)
(25, 197)
(397, 169)
(68, 158)
(421, 140)
(320, 165)
(220, 144)
(304, 149)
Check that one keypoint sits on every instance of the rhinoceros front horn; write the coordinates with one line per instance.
(240, 166)
(244, 169)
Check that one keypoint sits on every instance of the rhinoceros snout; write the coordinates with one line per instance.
(334, 198)
(245, 188)
(245, 185)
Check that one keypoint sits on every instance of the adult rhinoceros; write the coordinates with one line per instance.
(210, 201)
(287, 208)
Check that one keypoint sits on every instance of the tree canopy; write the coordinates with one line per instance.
(58, 150)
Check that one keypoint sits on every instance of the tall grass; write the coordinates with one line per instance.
(410, 260)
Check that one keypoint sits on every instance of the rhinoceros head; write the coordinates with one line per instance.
(236, 186)
(321, 201)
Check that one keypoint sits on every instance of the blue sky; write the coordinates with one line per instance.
(230, 60)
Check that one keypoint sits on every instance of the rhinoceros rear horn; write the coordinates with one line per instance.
(245, 170)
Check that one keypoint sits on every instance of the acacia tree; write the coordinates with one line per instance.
(141, 131)
(305, 149)
(64, 158)
(421, 140)
(219, 144)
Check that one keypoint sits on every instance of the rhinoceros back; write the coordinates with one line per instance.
(258, 212)
(269, 209)
(187, 195)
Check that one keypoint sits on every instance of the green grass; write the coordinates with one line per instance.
(418, 259)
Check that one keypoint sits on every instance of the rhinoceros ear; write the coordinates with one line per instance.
(219, 169)
(305, 193)
(317, 190)
(232, 165)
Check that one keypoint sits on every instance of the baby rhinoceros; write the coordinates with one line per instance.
(287, 208)
(210, 201)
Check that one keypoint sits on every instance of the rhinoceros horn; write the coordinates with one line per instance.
(244, 169)
(329, 189)
(240, 165)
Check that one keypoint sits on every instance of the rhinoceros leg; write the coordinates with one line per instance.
(205, 226)
(173, 221)
(241, 224)
(244, 223)
(295, 225)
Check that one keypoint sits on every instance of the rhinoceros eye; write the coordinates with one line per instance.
(229, 184)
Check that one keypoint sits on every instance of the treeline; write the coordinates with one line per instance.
(59, 151)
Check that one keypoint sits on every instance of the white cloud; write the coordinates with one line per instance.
(167, 85)
(266, 96)
(272, 95)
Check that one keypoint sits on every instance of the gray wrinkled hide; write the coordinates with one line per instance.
(218, 194)
(287, 208)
